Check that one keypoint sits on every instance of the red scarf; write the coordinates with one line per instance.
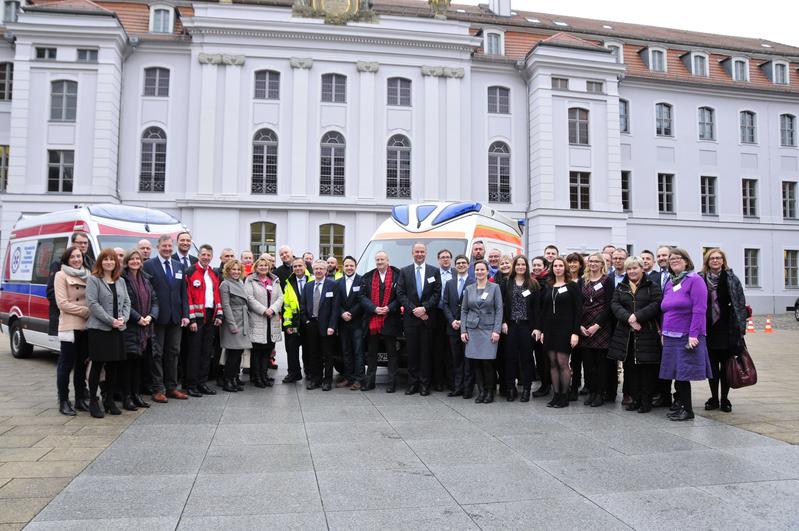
(376, 322)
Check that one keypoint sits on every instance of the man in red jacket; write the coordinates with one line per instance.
(205, 313)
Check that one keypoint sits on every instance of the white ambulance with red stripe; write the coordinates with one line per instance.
(37, 241)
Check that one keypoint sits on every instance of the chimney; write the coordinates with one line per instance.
(499, 7)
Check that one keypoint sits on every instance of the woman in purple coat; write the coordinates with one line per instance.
(685, 357)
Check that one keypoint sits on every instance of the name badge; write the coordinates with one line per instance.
(598, 286)
(329, 295)
(178, 275)
(562, 289)
(430, 280)
(356, 289)
(269, 287)
(678, 287)
(484, 296)
(526, 293)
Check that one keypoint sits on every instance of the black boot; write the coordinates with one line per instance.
(525, 395)
(229, 386)
(591, 397)
(128, 405)
(489, 397)
(65, 408)
(512, 394)
(563, 401)
(555, 399)
(480, 397)
(573, 394)
(110, 405)
(81, 404)
(94, 409)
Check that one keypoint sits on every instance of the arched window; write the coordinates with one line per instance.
(707, 123)
(331, 241)
(663, 120)
(398, 167)
(499, 173)
(578, 126)
(498, 100)
(331, 170)
(6, 80)
(63, 101)
(267, 85)
(334, 88)
(264, 162)
(788, 130)
(263, 238)
(156, 82)
(748, 127)
(152, 173)
(398, 91)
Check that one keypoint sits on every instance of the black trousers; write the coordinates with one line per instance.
(130, 376)
(232, 363)
(293, 344)
(642, 378)
(595, 361)
(499, 364)
(319, 362)
(111, 378)
(373, 345)
(200, 351)
(484, 373)
(518, 355)
(576, 363)
(215, 368)
(612, 375)
(351, 336)
(439, 350)
(420, 366)
(462, 375)
(259, 360)
(542, 365)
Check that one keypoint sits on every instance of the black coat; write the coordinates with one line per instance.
(350, 303)
(409, 299)
(283, 272)
(392, 326)
(645, 304)
(192, 260)
(533, 304)
(728, 333)
(327, 317)
(451, 305)
(132, 334)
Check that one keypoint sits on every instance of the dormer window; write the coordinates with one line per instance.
(162, 19)
(657, 59)
(493, 43)
(780, 73)
(617, 50)
(699, 65)
(740, 69)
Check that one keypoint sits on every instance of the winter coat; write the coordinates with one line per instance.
(70, 296)
(133, 333)
(645, 304)
(733, 301)
(101, 303)
(264, 329)
(235, 332)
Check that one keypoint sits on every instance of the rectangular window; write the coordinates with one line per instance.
(48, 250)
(578, 127)
(579, 187)
(748, 128)
(788, 200)
(626, 191)
(594, 87)
(498, 100)
(707, 186)
(87, 55)
(663, 121)
(3, 168)
(787, 130)
(156, 82)
(493, 44)
(560, 83)
(780, 74)
(615, 51)
(792, 269)
(751, 268)
(46, 53)
(161, 21)
(267, 85)
(706, 124)
(700, 65)
(60, 167)
(6, 81)
(398, 92)
(658, 61)
(666, 193)
(624, 116)
(749, 197)
(10, 11)
(739, 70)
(334, 88)
(63, 101)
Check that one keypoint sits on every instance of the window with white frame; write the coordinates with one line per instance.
(707, 191)
(493, 43)
(156, 82)
(699, 65)
(560, 83)
(263, 238)
(595, 87)
(780, 73)
(10, 11)
(498, 100)
(666, 193)
(267, 85)
(161, 19)
(626, 191)
(578, 126)
(87, 55)
(331, 167)
(740, 70)
(787, 130)
(616, 51)
(331, 241)
(63, 101)
(60, 167)
(4, 152)
(707, 123)
(579, 190)
(334, 88)
(499, 173)
(6, 81)
(791, 257)
(398, 92)
(748, 127)
(789, 199)
(751, 268)
(152, 172)
(663, 120)
(264, 162)
(46, 53)
(398, 167)
(624, 116)
(749, 197)
(657, 60)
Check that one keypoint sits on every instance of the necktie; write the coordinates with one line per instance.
(301, 283)
(185, 263)
(317, 296)
(419, 284)
(460, 286)
(168, 269)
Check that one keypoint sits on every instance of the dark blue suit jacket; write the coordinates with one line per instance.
(173, 303)
(656, 277)
(452, 303)
(431, 293)
(351, 303)
(328, 318)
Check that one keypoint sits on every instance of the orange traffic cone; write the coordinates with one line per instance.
(750, 327)
(769, 329)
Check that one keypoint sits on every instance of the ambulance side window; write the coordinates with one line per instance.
(48, 250)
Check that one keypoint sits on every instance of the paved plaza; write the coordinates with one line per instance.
(287, 458)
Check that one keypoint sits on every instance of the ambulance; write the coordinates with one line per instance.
(36, 242)
(452, 225)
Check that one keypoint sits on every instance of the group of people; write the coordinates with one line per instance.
(468, 325)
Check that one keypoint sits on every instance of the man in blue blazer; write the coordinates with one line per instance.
(319, 319)
(350, 313)
(169, 284)
(463, 380)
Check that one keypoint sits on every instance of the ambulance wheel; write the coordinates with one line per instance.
(19, 347)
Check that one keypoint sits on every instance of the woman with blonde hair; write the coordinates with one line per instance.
(235, 334)
(265, 302)
(595, 328)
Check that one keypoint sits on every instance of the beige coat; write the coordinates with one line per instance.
(70, 296)
(260, 324)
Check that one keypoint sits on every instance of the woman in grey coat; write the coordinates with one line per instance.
(481, 323)
(235, 334)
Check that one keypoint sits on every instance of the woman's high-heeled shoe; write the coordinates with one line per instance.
(94, 409)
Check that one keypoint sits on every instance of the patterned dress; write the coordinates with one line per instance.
(596, 303)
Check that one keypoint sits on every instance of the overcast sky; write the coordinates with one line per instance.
(774, 20)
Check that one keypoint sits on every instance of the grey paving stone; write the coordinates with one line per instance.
(446, 518)
(504, 426)
(774, 502)
(600, 421)
(380, 489)
(455, 451)
(288, 521)
(678, 508)
(329, 432)
(417, 412)
(262, 415)
(165, 436)
(122, 496)
(782, 458)
(478, 483)
(244, 399)
(166, 417)
(557, 445)
(649, 441)
(108, 524)
(723, 436)
(236, 494)
(387, 455)
(713, 467)
(335, 397)
(439, 429)
(257, 459)
(339, 413)
(565, 513)
(147, 460)
(258, 434)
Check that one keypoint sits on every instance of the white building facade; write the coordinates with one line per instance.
(257, 127)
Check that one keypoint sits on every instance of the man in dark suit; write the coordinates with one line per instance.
(419, 292)
(182, 254)
(382, 321)
(167, 278)
(463, 380)
(319, 319)
(350, 331)
(442, 366)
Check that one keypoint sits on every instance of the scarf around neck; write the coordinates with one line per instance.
(677, 279)
(80, 273)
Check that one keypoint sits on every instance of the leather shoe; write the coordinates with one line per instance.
(313, 385)
(204, 389)
(424, 391)
(343, 383)
(468, 394)
(711, 404)
(355, 386)
(525, 397)
(160, 398)
(194, 392)
(327, 386)
(81, 404)
(456, 392)
(138, 402)
(682, 414)
(291, 378)
(128, 405)
(65, 408)
(412, 390)
(626, 399)
(390, 389)
(725, 406)
(174, 393)
(646, 407)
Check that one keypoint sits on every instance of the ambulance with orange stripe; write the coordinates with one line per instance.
(453, 226)
(37, 241)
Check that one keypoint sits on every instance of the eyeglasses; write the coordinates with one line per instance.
(676, 258)
(715, 258)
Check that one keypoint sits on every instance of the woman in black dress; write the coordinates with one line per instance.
(561, 309)
(520, 295)
(540, 273)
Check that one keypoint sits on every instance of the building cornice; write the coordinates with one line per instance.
(748, 92)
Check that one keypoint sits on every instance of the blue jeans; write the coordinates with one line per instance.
(352, 349)
(73, 359)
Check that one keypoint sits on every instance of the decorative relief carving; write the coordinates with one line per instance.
(335, 11)
(220, 59)
(300, 62)
(365, 66)
(439, 8)
(443, 71)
